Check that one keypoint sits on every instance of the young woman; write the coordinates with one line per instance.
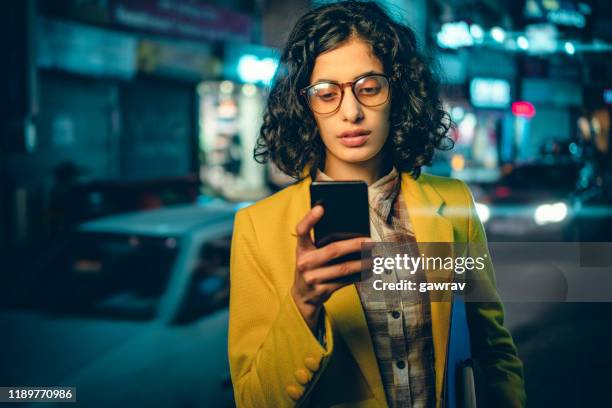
(354, 100)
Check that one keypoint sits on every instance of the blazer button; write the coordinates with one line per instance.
(302, 376)
(312, 363)
(294, 392)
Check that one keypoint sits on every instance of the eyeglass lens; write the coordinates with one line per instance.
(325, 97)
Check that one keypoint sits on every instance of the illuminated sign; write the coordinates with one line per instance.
(254, 70)
(607, 95)
(567, 17)
(251, 64)
(523, 109)
(85, 50)
(180, 18)
(542, 38)
(559, 12)
(455, 35)
(490, 93)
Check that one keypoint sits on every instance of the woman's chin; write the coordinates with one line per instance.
(357, 155)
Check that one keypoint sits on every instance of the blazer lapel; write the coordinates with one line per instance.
(424, 205)
(346, 312)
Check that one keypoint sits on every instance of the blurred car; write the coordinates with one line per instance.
(131, 310)
(529, 202)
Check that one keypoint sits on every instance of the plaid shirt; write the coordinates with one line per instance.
(399, 321)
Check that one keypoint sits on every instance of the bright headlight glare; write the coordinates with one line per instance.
(483, 212)
(550, 213)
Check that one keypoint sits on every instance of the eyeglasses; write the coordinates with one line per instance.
(326, 97)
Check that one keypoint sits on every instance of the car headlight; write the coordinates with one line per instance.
(483, 212)
(550, 213)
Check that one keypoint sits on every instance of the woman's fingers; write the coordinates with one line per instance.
(335, 273)
(316, 280)
(302, 229)
(326, 290)
(321, 256)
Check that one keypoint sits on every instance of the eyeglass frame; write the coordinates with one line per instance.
(343, 85)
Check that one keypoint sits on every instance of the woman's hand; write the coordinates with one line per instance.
(314, 283)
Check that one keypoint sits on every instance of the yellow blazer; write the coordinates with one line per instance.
(275, 361)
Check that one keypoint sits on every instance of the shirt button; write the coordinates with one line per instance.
(400, 364)
(395, 314)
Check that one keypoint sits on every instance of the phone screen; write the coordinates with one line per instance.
(346, 210)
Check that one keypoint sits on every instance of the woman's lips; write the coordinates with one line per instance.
(354, 138)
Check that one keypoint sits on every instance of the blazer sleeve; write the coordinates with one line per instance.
(275, 360)
(492, 344)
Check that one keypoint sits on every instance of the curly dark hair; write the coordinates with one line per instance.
(289, 135)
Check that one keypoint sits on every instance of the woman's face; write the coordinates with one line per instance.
(354, 133)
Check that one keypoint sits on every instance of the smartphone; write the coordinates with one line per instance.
(346, 215)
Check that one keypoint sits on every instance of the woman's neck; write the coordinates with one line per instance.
(368, 171)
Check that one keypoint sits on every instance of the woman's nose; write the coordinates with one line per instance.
(350, 108)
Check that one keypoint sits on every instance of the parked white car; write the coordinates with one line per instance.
(131, 310)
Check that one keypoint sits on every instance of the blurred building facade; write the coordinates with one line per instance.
(117, 105)
(103, 104)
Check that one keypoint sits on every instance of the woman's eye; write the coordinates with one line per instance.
(371, 90)
(327, 96)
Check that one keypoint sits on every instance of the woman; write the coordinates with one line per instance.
(353, 101)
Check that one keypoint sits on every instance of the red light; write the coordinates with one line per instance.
(524, 109)
(502, 192)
